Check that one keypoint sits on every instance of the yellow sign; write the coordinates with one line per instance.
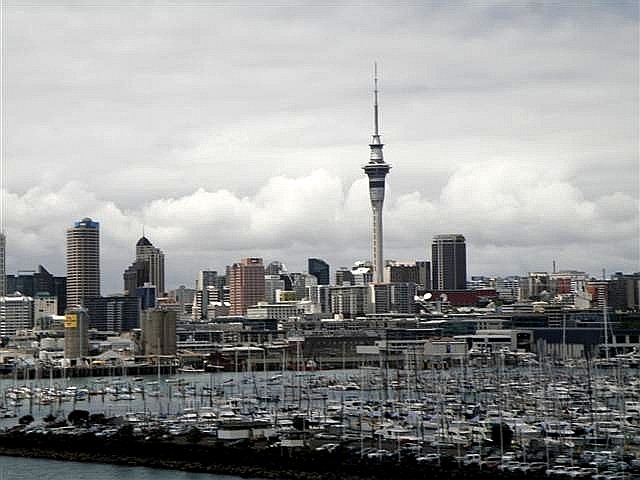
(71, 320)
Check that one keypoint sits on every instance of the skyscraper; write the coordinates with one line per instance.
(3, 265)
(319, 269)
(145, 251)
(377, 171)
(136, 275)
(83, 261)
(449, 262)
(246, 282)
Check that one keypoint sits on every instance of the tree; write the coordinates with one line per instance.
(78, 417)
(26, 420)
(49, 418)
(507, 435)
(194, 435)
(126, 430)
(97, 419)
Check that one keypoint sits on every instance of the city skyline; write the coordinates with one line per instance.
(562, 132)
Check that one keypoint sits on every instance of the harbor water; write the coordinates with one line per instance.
(12, 468)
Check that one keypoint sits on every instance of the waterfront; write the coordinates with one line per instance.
(19, 468)
(587, 415)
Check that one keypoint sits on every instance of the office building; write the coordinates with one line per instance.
(344, 277)
(159, 332)
(508, 288)
(275, 268)
(449, 262)
(83, 261)
(624, 291)
(113, 314)
(16, 313)
(183, 295)
(44, 305)
(362, 273)
(272, 283)
(393, 297)
(39, 282)
(401, 272)
(599, 292)
(145, 251)
(377, 171)
(147, 295)
(319, 295)
(535, 286)
(3, 264)
(135, 276)
(76, 333)
(350, 301)
(424, 274)
(319, 269)
(300, 283)
(206, 278)
(246, 283)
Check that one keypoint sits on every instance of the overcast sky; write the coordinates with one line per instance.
(241, 131)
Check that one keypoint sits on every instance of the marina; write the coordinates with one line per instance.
(578, 417)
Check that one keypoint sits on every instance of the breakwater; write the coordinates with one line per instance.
(244, 460)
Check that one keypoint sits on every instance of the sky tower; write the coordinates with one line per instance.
(377, 171)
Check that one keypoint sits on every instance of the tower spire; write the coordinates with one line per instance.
(375, 99)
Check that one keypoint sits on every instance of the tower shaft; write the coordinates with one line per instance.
(377, 171)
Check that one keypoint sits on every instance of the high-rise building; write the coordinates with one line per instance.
(599, 292)
(272, 283)
(246, 284)
(319, 269)
(424, 274)
(147, 295)
(535, 286)
(300, 283)
(344, 277)
(449, 262)
(350, 301)
(206, 278)
(40, 281)
(377, 171)
(113, 314)
(135, 276)
(83, 261)
(16, 313)
(320, 296)
(44, 306)
(145, 251)
(624, 291)
(3, 264)
(206, 292)
(508, 288)
(275, 268)
(395, 297)
(400, 272)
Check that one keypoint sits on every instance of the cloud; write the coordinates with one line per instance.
(230, 131)
(514, 221)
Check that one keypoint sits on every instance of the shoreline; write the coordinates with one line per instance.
(244, 462)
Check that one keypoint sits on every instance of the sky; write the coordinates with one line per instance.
(235, 131)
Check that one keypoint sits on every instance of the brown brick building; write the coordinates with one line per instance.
(246, 285)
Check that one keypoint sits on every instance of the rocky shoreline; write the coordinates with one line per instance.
(243, 461)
